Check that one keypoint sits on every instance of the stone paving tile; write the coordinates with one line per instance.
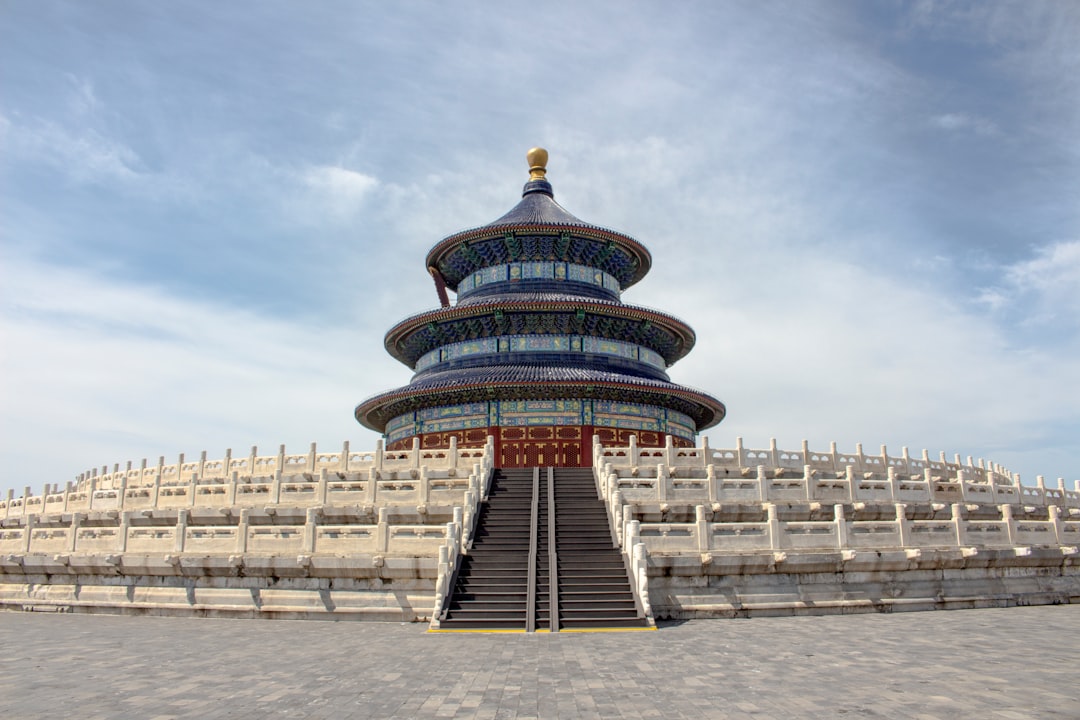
(1002, 664)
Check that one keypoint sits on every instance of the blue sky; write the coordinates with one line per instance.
(210, 213)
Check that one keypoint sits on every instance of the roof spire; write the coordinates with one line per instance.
(538, 182)
(537, 158)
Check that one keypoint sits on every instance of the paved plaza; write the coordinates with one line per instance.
(997, 663)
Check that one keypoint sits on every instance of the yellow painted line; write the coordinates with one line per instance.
(615, 629)
(474, 630)
(544, 630)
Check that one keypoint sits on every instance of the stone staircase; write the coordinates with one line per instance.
(594, 588)
(535, 521)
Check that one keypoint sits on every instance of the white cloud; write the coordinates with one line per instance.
(338, 190)
(962, 121)
(1043, 288)
(97, 369)
(84, 155)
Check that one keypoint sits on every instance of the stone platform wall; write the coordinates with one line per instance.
(737, 531)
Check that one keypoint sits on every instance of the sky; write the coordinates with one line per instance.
(211, 213)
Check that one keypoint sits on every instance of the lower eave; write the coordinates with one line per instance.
(375, 412)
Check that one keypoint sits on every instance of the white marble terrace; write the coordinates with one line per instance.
(729, 501)
(367, 534)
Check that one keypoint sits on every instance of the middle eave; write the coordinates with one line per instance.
(400, 332)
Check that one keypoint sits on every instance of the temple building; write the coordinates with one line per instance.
(540, 473)
(539, 351)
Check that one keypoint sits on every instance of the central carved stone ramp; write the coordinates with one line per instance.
(594, 587)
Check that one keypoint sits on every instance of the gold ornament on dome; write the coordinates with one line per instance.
(537, 158)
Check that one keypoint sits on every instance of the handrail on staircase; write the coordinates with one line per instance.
(530, 601)
(553, 557)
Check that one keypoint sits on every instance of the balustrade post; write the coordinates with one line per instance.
(774, 454)
(378, 454)
(705, 451)
(234, 479)
(841, 526)
(711, 479)
(202, 465)
(907, 461)
(280, 460)
(414, 457)
(849, 474)
(669, 450)
(323, 485)
(453, 454)
(861, 456)
(1010, 523)
(345, 452)
(809, 484)
(774, 527)
(371, 486)
(275, 487)
(192, 487)
(28, 528)
(894, 490)
(903, 526)
(123, 492)
(633, 451)
(382, 532)
(661, 483)
(242, 530)
(806, 452)
(311, 459)
(1053, 513)
(763, 484)
(617, 515)
(181, 529)
(89, 500)
(958, 524)
(702, 529)
(631, 532)
(740, 452)
(125, 523)
(423, 485)
(76, 522)
(156, 491)
(10, 499)
(835, 456)
(309, 529)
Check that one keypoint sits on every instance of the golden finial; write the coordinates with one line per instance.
(537, 158)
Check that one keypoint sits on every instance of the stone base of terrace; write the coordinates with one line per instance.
(684, 586)
(358, 587)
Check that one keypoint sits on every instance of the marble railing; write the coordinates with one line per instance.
(683, 475)
(124, 535)
(413, 477)
(739, 458)
(661, 484)
(840, 534)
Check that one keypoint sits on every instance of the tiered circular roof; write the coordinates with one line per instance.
(538, 230)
